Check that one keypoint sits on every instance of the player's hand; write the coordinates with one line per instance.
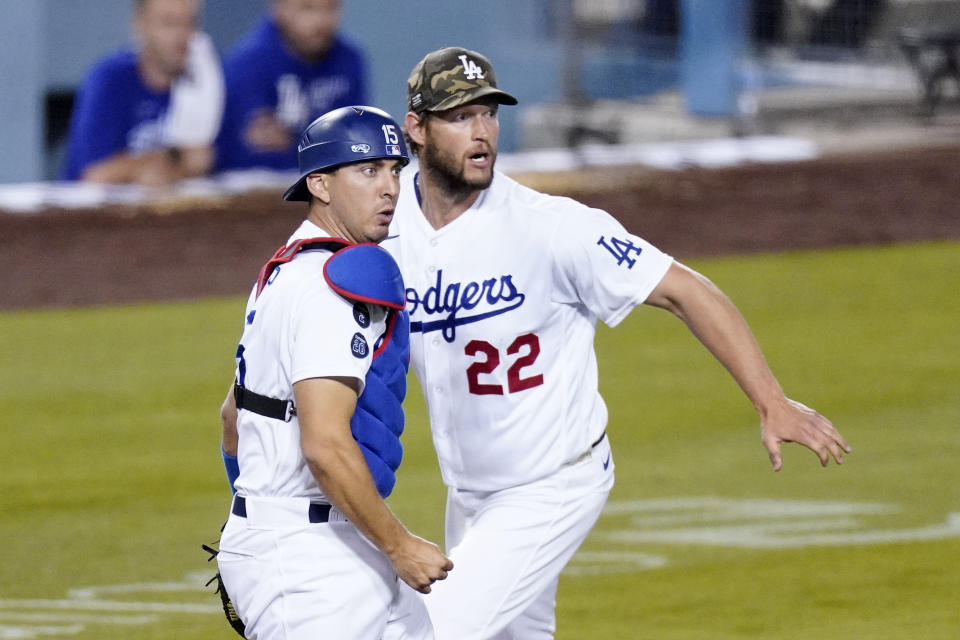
(790, 421)
(156, 169)
(267, 134)
(420, 563)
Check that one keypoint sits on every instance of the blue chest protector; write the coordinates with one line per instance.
(366, 273)
(378, 421)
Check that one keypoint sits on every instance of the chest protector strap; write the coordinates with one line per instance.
(367, 273)
(286, 253)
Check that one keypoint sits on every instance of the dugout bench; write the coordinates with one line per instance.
(934, 53)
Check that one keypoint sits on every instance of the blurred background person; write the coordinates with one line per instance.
(291, 68)
(149, 113)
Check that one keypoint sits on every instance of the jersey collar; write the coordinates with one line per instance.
(308, 229)
(477, 204)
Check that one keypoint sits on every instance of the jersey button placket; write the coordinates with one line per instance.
(438, 389)
(432, 268)
(438, 373)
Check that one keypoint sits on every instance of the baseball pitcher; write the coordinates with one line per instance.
(504, 287)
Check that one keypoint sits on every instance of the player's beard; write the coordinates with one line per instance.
(448, 173)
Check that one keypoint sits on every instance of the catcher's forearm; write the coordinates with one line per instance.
(229, 439)
(342, 472)
(324, 409)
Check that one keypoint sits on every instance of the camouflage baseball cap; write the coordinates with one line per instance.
(452, 76)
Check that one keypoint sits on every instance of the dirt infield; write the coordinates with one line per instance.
(89, 257)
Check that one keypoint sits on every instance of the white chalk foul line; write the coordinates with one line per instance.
(82, 604)
(790, 535)
(762, 523)
(90, 618)
(190, 583)
(739, 523)
(27, 618)
(592, 563)
(27, 633)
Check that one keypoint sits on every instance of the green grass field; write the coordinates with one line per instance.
(111, 476)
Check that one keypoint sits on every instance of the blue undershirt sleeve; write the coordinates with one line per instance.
(97, 126)
(232, 467)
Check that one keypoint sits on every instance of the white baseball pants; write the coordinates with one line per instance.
(292, 580)
(508, 548)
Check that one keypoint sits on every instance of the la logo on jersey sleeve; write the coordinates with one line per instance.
(621, 250)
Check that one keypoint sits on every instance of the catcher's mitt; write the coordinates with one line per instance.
(228, 609)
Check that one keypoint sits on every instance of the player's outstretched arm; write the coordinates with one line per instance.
(723, 331)
(324, 409)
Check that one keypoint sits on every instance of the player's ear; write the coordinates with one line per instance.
(318, 184)
(415, 124)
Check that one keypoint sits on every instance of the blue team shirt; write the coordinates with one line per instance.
(114, 112)
(261, 73)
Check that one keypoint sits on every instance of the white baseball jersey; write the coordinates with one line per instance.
(503, 305)
(298, 328)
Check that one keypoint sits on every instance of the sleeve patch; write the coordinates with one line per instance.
(621, 250)
(361, 314)
(358, 346)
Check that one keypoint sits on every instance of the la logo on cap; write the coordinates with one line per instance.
(470, 68)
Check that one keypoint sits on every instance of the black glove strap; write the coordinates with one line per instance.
(263, 405)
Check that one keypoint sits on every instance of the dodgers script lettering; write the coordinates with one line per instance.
(489, 298)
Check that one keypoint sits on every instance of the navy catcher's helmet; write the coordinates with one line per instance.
(341, 136)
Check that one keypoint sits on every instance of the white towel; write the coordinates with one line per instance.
(196, 97)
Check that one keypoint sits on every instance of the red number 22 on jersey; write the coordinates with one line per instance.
(515, 382)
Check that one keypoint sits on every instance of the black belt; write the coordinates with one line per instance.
(600, 439)
(317, 514)
(263, 405)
